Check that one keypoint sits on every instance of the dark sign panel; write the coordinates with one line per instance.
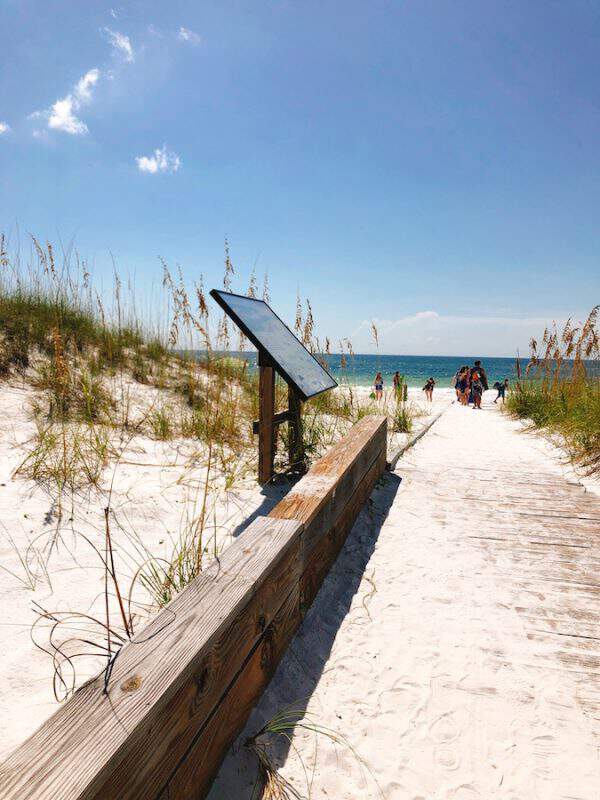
(267, 332)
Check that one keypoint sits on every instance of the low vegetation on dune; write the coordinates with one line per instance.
(560, 389)
(106, 386)
(93, 361)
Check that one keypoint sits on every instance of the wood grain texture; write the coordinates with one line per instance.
(193, 778)
(321, 496)
(537, 536)
(327, 550)
(123, 745)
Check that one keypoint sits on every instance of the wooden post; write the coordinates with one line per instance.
(266, 412)
(296, 449)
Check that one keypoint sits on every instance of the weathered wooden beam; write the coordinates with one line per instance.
(282, 416)
(193, 778)
(165, 684)
(320, 497)
(327, 550)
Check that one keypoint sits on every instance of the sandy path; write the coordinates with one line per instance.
(473, 671)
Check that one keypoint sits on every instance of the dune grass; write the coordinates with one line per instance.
(560, 389)
(103, 378)
(271, 784)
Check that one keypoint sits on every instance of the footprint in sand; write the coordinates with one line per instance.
(464, 792)
(446, 757)
(405, 700)
(444, 729)
(545, 752)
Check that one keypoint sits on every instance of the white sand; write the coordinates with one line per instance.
(457, 667)
(155, 492)
(423, 647)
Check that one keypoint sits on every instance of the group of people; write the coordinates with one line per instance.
(396, 381)
(469, 382)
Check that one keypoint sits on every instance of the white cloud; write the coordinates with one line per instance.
(426, 315)
(186, 35)
(62, 115)
(121, 43)
(113, 13)
(83, 90)
(4, 127)
(430, 333)
(162, 160)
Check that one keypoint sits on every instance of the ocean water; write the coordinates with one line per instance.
(361, 369)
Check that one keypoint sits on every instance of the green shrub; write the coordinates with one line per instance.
(403, 419)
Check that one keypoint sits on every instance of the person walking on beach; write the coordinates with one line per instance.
(482, 374)
(456, 381)
(378, 386)
(428, 389)
(479, 384)
(397, 385)
(462, 385)
(501, 388)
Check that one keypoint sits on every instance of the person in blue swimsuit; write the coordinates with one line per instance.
(378, 386)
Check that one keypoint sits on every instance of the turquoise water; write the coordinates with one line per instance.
(361, 368)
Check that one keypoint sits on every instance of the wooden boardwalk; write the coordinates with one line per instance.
(476, 673)
(541, 535)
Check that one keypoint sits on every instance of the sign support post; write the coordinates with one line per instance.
(296, 449)
(266, 414)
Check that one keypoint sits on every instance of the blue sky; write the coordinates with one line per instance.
(433, 165)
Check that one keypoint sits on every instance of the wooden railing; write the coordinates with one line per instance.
(182, 689)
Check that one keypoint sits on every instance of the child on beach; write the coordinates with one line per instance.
(428, 389)
(378, 386)
(501, 388)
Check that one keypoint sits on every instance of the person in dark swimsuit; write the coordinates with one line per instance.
(462, 385)
(378, 386)
(479, 384)
(428, 389)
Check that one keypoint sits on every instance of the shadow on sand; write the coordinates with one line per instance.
(271, 493)
(303, 664)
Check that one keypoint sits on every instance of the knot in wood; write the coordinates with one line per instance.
(132, 684)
